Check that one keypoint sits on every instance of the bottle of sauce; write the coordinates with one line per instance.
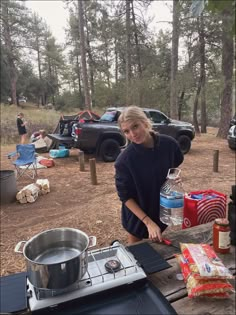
(221, 239)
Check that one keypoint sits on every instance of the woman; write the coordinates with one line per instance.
(21, 127)
(141, 169)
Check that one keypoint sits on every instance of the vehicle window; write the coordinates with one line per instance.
(109, 116)
(157, 117)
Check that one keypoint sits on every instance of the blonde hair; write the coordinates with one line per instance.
(134, 113)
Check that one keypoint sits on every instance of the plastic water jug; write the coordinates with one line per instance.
(172, 199)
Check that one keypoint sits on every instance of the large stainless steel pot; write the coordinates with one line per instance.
(56, 258)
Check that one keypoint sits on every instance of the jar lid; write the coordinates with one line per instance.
(222, 221)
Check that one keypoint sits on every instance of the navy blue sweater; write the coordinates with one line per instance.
(140, 173)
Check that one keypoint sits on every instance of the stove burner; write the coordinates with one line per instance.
(112, 265)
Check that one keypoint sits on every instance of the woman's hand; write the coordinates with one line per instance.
(154, 230)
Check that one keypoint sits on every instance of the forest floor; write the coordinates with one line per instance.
(95, 209)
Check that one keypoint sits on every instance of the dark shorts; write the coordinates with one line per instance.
(22, 132)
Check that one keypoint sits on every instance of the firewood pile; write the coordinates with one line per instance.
(30, 193)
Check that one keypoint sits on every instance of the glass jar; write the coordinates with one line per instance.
(221, 239)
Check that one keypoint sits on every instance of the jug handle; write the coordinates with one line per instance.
(17, 247)
(178, 171)
(92, 241)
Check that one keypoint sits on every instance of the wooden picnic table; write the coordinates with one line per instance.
(175, 290)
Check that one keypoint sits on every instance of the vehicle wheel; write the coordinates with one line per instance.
(184, 143)
(232, 147)
(109, 150)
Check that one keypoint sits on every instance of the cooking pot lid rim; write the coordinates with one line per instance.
(57, 229)
(48, 231)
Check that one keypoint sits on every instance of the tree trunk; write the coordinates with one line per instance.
(9, 51)
(13, 80)
(202, 74)
(79, 81)
(116, 62)
(140, 91)
(174, 61)
(83, 56)
(90, 63)
(39, 68)
(128, 54)
(107, 64)
(195, 107)
(227, 70)
(180, 104)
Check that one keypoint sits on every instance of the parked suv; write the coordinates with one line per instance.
(22, 99)
(231, 137)
(233, 121)
(183, 132)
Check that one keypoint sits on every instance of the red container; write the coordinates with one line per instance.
(221, 239)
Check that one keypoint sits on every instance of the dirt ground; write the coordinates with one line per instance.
(95, 209)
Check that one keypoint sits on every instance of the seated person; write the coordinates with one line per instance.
(41, 134)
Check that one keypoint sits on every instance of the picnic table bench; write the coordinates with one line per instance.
(175, 290)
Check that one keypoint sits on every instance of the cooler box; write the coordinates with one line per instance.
(59, 153)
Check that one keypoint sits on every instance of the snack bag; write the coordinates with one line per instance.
(203, 262)
(208, 287)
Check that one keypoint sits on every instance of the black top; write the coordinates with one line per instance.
(140, 173)
(21, 128)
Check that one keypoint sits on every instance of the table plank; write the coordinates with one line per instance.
(197, 234)
(167, 282)
(204, 306)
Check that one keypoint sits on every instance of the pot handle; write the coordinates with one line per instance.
(16, 250)
(92, 241)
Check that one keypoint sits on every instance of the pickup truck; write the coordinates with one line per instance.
(105, 138)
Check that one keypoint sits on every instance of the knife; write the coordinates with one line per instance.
(169, 243)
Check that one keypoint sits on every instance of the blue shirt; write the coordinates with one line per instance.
(140, 173)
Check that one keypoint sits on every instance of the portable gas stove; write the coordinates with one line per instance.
(108, 268)
(114, 283)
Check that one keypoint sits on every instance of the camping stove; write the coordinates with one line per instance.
(108, 267)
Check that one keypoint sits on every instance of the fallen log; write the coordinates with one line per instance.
(31, 192)
(43, 184)
(20, 195)
(32, 198)
(31, 189)
(23, 200)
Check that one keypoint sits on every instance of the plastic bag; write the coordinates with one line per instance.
(203, 287)
(203, 206)
(203, 262)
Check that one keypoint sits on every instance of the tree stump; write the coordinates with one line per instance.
(93, 174)
(215, 160)
(81, 161)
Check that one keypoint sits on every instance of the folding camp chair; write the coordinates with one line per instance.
(25, 163)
